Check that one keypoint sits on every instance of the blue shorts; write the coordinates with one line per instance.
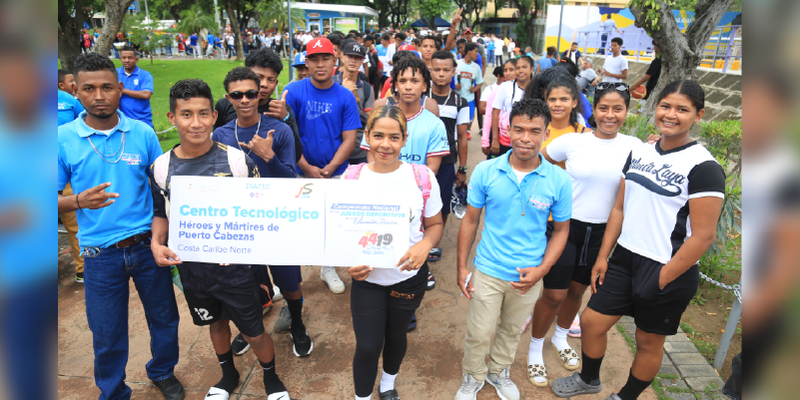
(471, 110)
(286, 277)
(446, 178)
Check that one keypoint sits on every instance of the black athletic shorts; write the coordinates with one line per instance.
(241, 304)
(631, 288)
(287, 277)
(578, 257)
(368, 298)
(446, 177)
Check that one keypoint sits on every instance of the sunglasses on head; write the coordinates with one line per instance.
(250, 94)
(620, 86)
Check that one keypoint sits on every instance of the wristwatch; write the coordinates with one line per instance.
(462, 170)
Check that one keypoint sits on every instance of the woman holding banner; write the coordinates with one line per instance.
(383, 300)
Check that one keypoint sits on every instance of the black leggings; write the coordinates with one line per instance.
(381, 315)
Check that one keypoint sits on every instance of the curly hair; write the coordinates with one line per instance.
(93, 62)
(264, 58)
(416, 65)
(241, 74)
(531, 108)
(186, 89)
(691, 89)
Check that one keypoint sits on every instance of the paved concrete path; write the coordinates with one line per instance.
(431, 370)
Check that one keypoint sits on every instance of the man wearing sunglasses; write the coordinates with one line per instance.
(271, 146)
(267, 65)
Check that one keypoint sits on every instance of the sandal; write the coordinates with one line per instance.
(431, 281)
(573, 385)
(566, 355)
(435, 254)
(389, 395)
(575, 328)
(537, 371)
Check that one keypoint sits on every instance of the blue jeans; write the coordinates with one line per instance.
(603, 41)
(108, 271)
(490, 55)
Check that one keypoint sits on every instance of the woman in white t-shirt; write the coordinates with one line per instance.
(593, 161)
(383, 300)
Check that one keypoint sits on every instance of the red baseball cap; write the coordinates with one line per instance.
(319, 46)
(467, 30)
(409, 47)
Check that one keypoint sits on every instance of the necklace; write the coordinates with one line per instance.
(236, 133)
(120, 150)
(449, 93)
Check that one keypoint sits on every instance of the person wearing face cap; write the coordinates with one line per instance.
(300, 68)
(349, 77)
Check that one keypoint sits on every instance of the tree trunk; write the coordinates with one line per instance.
(69, 33)
(237, 32)
(680, 52)
(115, 13)
(430, 22)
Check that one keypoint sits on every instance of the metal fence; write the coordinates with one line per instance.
(723, 50)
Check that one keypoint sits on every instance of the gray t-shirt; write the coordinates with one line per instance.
(585, 78)
(609, 25)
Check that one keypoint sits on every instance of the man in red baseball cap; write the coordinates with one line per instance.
(327, 117)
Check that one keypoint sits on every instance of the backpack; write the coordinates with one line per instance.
(420, 175)
(236, 160)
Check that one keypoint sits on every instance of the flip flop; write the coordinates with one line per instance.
(435, 254)
(431, 281)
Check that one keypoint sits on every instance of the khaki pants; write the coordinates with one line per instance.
(71, 224)
(494, 298)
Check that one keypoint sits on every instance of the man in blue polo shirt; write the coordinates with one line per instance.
(104, 155)
(137, 88)
(519, 190)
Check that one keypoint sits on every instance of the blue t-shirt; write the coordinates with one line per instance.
(68, 108)
(193, 40)
(137, 109)
(80, 165)
(280, 166)
(509, 239)
(545, 63)
(490, 45)
(427, 137)
(322, 115)
(210, 38)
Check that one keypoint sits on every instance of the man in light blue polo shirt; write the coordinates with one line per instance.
(138, 88)
(104, 155)
(519, 190)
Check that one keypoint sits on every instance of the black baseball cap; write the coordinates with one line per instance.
(350, 47)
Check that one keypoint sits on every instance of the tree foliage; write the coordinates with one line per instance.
(195, 20)
(274, 13)
(430, 9)
(146, 36)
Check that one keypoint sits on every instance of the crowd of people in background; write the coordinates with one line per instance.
(392, 106)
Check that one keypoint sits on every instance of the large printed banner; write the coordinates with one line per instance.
(288, 221)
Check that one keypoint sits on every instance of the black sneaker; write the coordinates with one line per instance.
(79, 277)
(239, 345)
(171, 388)
(302, 343)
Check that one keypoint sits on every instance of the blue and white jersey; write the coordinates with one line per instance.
(427, 137)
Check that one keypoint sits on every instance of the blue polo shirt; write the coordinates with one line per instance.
(137, 109)
(80, 165)
(68, 108)
(509, 239)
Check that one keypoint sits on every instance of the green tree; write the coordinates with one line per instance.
(195, 20)
(680, 51)
(116, 11)
(274, 13)
(71, 16)
(430, 9)
(146, 36)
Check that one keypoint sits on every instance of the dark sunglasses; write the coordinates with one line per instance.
(250, 94)
(620, 86)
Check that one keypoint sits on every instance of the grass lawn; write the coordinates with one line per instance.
(167, 72)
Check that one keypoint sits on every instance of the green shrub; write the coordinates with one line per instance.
(639, 126)
(724, 140)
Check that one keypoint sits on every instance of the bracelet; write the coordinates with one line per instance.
(462, 170)
(77, 200)
(286, 118)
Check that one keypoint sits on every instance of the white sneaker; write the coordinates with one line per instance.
(469, 388)
(279, 396)
(217, 394)
(506, 389)
(329, 275)
(277, 294)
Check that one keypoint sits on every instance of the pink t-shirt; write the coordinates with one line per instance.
(487, 121)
